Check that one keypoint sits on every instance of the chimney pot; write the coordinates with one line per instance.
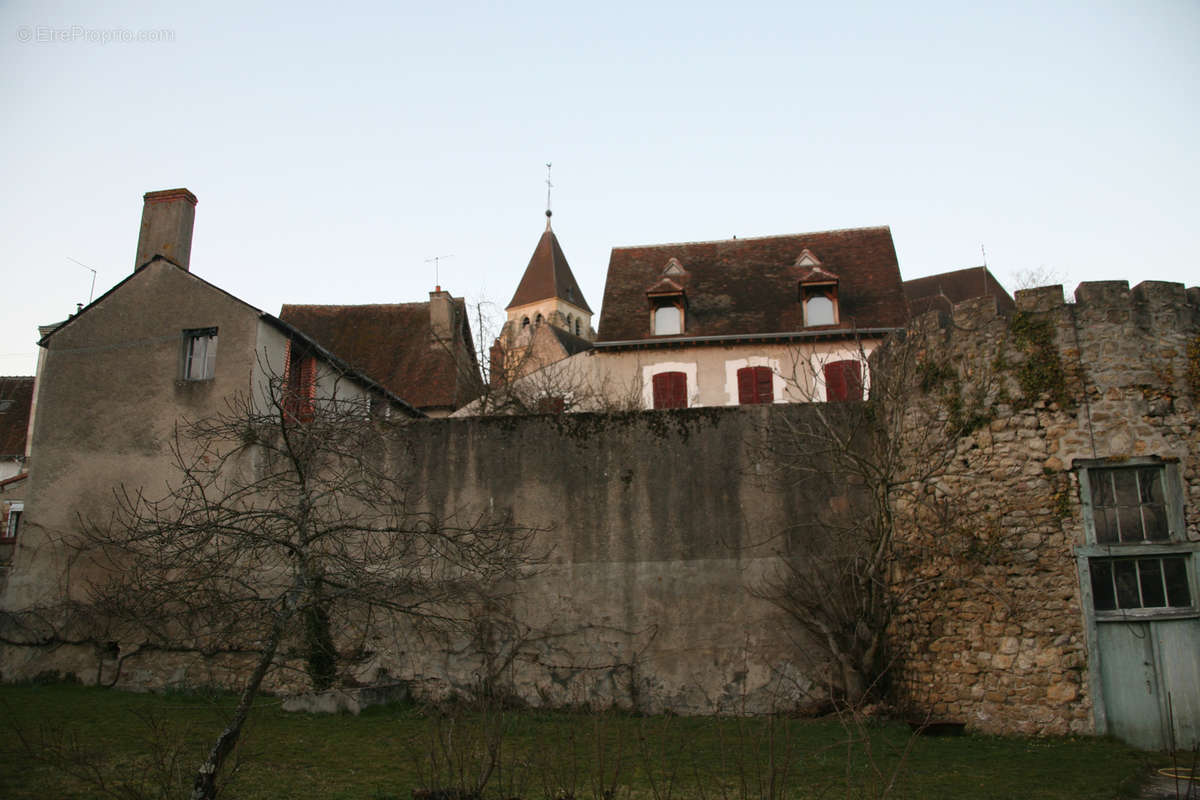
(167, 220)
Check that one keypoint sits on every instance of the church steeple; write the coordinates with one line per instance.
(548, 277)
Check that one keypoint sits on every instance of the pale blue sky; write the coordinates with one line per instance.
(335, 148)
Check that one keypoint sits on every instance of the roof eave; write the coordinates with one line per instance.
(736, 338)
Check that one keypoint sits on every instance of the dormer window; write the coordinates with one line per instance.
(667, 305)
(818, 292)
(819, 308)
(668, 320)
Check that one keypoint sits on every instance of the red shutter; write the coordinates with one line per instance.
(843, 381)
(299, 385)
(755, 385)
(670, 390)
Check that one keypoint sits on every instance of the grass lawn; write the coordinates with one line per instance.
(87, 735)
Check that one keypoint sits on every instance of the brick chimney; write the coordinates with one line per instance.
(167, 220)
(441, 317)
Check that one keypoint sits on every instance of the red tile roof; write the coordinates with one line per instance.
(943, 290)
(751, 286)
(392, 344)
(16, 397)
(548, 275)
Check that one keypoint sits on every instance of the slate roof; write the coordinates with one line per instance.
(392, 345)
(943, 290)
(548, 275)
(571, 343)
(16, 397)
(744, 287)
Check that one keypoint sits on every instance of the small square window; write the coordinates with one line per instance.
(1128, 505)
(199, 354)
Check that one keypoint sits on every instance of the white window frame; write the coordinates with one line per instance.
(732, 397)
(818, 361)
(688, 368)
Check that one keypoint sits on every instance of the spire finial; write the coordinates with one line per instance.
(549, 186)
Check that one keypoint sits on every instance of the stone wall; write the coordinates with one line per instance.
(991, 629)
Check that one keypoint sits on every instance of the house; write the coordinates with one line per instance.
(421, 350)
(774, 319)
(16, 398)
(944, 290)
(117, 377)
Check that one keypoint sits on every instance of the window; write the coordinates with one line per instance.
(538, 321)
(843, 381)
(1128, 505)
(578, 327)
(755, 385)
(668, 320)
(819, 308)
(299, 384)
(199, 354)
(524, 323)
(13, 523)
(1128, 583)
(670, 390)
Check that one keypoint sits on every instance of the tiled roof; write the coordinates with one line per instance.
(571, 343)
(943, 290)
(392, 344)
(751, 286)
(16, 396)
(548, 275)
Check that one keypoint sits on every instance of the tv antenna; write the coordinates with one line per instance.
(92, 293)
(437, 279)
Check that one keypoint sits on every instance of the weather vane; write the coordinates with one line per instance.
(549, 186)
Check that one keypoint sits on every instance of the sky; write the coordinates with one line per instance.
(337, 149)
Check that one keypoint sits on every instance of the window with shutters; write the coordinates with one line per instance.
(199, 357)
(755, 385)
(670, 390)
(843, 380)
(299, 384)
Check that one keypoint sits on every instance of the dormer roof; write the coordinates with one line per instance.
(548, 276)
(747, 287)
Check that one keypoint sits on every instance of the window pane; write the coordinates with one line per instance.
(1127, 585)
(1126, 484)
(1130, 520)
(1150, 573)
(1103, 596)
(666, 320)
(1150, 483)
(1155, 519)
(1102, 493)
(1106, 524)
(1175, 573)
(818, 310)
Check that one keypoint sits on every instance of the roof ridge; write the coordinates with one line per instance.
(756, 238)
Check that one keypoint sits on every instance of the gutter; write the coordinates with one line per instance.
(738, 338)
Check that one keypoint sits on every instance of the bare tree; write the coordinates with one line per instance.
(871, 468)
(289, 528)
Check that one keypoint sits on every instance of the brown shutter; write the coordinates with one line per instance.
(670, 390)
(755, 385)
(843, 381)
(765, 384)
(746, 386)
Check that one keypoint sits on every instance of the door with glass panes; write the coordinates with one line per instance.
(1138, 580)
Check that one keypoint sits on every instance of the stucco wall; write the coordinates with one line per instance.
(655, 528)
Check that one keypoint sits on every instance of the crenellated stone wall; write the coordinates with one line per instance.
(992, 628)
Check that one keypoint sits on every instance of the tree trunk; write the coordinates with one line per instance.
(204, 787)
